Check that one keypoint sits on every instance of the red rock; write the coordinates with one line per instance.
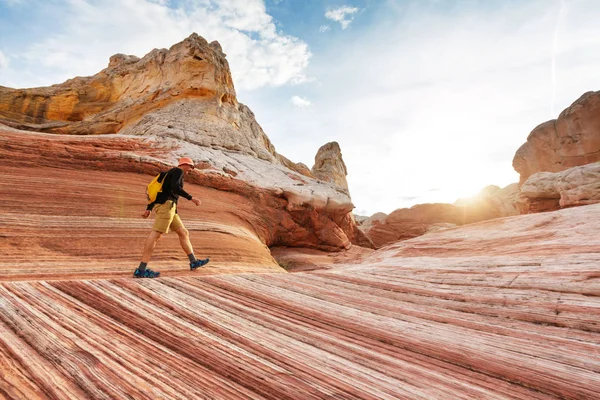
(491, 202)
(295, 259)
(571, 140)
(46, 163)
(407, 223)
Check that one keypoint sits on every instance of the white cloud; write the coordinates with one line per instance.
(90, 33)
(300, 102)
(343, 15)
(324, 28)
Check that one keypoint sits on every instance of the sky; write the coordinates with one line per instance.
(428, 99)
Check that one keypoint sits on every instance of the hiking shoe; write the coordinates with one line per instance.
(198, 263)
(147, 273)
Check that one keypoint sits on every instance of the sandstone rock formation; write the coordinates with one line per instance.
(330, 167)
(296, 259)
(571, 140)
(407, 223)
(546, 191)
(272, 217)
(502, 309)
(173, 103)
(185, 92)
(123, 92)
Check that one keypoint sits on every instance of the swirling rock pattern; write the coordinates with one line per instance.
(503, 309)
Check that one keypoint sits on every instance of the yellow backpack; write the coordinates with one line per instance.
(155, 187)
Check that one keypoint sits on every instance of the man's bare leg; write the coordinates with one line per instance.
(186, 245)
(150, 245)
(184, 240)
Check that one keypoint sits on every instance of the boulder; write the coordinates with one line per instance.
(570, 140)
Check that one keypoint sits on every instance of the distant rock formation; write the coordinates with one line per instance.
(407, 223)
(491, 202)
(366, 223)
(330, 167)
(571, 140)
(547, 191)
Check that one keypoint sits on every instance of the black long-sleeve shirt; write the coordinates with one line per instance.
(172, 188)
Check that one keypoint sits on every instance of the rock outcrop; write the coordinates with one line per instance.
(123, 92)
(571, 140)
(173, 103)
(282, 215)
(330, 167)
(546, 191)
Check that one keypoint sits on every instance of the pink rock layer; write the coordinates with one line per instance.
(503, 309)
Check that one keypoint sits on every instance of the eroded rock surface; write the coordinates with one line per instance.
(571, 140)
(276, 213)
(124, 91)
(546, 191)
(330, 167)
(503, 309)
(184, 93)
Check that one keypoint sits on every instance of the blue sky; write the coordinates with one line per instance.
(429, 99)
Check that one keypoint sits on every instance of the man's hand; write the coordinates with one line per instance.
(196, 201)
(146, 214)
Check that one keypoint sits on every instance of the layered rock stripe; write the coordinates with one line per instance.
(40, 162)
(61, 219)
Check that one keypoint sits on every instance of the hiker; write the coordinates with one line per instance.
(167, 219)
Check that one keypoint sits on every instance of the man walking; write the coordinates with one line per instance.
(167, 219)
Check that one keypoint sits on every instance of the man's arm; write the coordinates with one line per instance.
(177, 186)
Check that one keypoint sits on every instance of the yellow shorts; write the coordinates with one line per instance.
(166, 218)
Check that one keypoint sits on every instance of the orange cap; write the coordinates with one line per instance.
(186, 160)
